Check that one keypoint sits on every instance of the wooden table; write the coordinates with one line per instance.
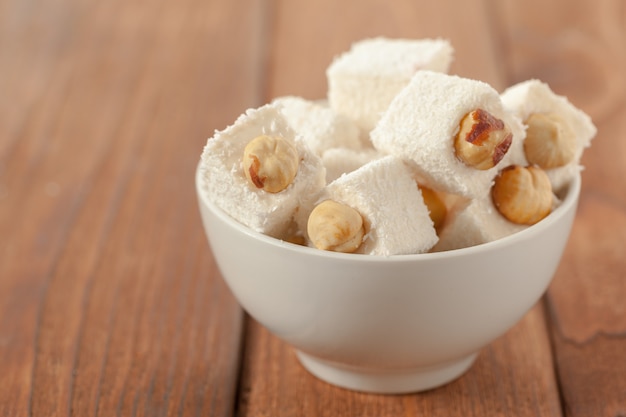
(110, 300)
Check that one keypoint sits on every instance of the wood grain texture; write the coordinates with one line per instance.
(307, 35)
(582, 55)
(508, 376)
(110, 303)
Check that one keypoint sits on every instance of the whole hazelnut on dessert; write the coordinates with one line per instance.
(436, 208)
(523, 195)
(549, 142)
(483, 140)
(270, 163)
(335, 227)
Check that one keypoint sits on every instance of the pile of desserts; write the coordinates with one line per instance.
(401, 158)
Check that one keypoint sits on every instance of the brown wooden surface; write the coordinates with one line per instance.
(110, 301)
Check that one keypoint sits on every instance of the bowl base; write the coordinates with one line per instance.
(385, 381)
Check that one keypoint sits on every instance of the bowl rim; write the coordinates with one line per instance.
(571, 195)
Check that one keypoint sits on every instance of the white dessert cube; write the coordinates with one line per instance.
(339, 161)
(535, 97)
(320, 127)
(386, 195)
(474, 222)
(363, 81)
(423, 120)
(229, 188)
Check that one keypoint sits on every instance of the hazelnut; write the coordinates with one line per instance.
(482, 140)
(335, 227)
(436, 208)
(296, 240)
(270, 163)
(549, 143)
(523, 195)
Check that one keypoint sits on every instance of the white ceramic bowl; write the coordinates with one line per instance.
(388, 324)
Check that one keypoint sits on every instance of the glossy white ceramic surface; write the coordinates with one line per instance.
(388, 324)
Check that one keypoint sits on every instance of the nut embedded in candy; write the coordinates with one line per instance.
(523, 195)
(296, 240)
(548, 144)
(450, 133)
(270, 163)
(483, 140)
(335, 227)
(436, 208)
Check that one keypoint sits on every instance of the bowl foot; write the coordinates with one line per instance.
(385, 381)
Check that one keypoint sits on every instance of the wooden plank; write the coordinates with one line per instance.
(110, 302)
(581, 53)
(307, 35)
(508, 377)
(511, 377)
(35, 211)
